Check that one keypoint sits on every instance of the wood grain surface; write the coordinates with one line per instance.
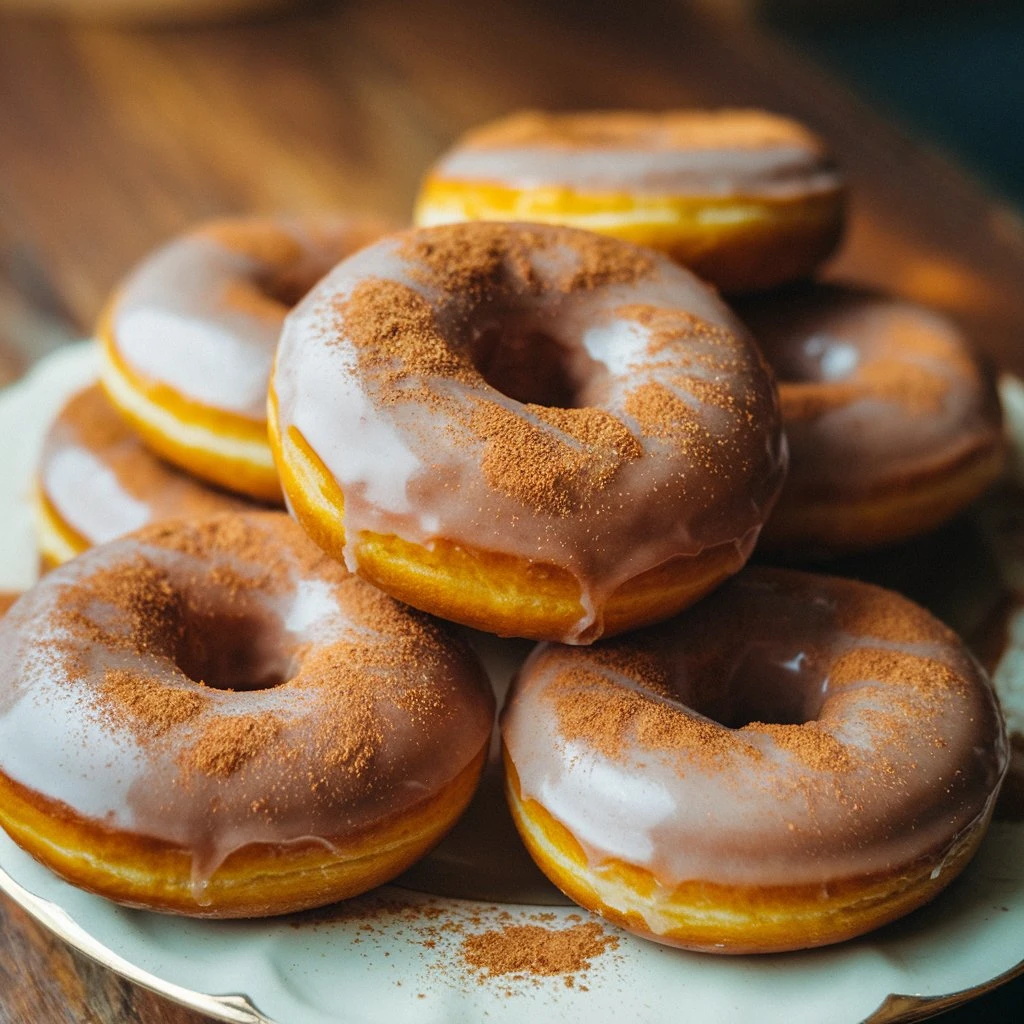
(111, 140)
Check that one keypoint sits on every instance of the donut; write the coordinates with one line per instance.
(96, 481)
(893, 424)
(188, 340)
(213, 718)
(794, 761)
(560, 435)
(746, 199)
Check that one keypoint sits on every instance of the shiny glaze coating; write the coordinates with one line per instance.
(328, 712)
(98, 481)
(747, 153)
(189, 337)
(746, 198)
(883, 402)
(647, 389)
(789, 731)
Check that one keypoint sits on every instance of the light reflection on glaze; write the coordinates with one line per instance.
(768, 819)
(103, 482)
(829, 346)
(202, 314)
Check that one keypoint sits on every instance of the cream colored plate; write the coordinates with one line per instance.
(373, 961)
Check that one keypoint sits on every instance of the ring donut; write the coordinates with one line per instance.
(96, 481)
(894, 425)
(560, 435)
(213, 718)
(746, 199)
(794, 761)
(188, 340)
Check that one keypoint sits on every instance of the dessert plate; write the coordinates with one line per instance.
(447, 943)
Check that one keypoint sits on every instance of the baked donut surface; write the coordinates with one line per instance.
(189, 338)
(746, 199)
(894, 425)
(213, 718)
(532, 430)
(97, 481)
(794, 761)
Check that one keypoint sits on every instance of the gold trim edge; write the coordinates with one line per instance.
(233, 1009)
(905, 1009)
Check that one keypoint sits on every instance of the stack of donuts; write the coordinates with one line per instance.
(567, 406)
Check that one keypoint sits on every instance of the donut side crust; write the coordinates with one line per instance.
(536, 600)
(259, 880)
(710, 917)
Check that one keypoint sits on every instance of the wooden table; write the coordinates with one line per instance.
(111, 140)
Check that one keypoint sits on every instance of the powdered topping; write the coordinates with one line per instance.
(137, 702)
(612, 718)
(514, 950)
(396, 336)
(689, 129)
(534, 950)
(226, 744)
(542, 470)
(809, 743)
(474, 261)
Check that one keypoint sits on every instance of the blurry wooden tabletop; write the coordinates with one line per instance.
(112, 139)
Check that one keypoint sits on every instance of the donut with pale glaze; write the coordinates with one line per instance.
(894, 425)
(559, 435)
(96, 481)
(189, 338)
(794, 761)
(746, 199)
(214, 718)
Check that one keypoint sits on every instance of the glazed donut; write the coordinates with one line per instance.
(189, 338)
(893, 424)
(97, 481)
(560, 435)
(215, 719)
(746, 199)
(796, 760)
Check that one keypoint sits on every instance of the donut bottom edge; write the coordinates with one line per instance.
(827, 526)
(258, 880)
(732, 920)
(491, 591)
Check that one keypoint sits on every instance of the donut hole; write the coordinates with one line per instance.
(234, 649)
(530, 365)
(771, 688)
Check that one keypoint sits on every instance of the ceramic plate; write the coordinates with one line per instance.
(401, 954)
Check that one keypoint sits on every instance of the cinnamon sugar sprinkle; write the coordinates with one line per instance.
(614, 129)
(139, 613)
(515, 950)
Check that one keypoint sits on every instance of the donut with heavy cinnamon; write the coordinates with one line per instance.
(96, 481)
(532, 430)
(746, 199)
(894, 425)
(214, 718)
(189, 338)
(794, 761)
